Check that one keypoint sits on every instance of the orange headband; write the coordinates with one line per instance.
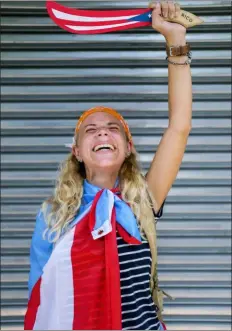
(106, 110)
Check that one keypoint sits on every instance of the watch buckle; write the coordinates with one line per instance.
(170, 50)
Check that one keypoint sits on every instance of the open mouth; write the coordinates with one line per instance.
(104, 147)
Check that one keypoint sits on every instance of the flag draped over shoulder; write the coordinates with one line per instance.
(75, 285)
(97, 21)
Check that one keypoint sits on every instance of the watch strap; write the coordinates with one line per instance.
(178, 50)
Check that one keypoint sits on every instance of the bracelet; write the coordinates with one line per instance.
(182, 64)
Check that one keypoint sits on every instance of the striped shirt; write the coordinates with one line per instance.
(138, 308)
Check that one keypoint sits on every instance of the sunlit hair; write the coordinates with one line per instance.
(61, 208)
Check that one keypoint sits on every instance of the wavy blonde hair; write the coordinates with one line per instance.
(61, 208)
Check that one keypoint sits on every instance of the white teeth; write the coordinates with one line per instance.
(96, 148)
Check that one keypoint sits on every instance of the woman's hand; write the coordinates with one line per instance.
(167, 10)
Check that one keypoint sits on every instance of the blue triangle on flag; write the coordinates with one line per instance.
(146, 17)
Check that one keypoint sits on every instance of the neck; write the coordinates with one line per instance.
(102, 180)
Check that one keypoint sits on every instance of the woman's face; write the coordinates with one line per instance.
(102, 142)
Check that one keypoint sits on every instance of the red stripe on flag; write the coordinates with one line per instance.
(96, 279)
(32, 308)
(164, 326)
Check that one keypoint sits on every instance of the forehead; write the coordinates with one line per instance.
(100, 118)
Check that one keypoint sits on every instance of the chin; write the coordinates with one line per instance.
(107, 163)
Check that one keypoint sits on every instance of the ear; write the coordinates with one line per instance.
(129, 147)
(76, 152)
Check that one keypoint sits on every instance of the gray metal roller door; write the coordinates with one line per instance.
(50, 76)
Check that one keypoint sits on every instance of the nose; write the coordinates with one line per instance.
(102, 132)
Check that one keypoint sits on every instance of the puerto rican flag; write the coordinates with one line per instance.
(97, 21)
(75, 285)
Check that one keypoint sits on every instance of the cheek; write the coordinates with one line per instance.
(120, 138)
(122, 151)
(123, 144)
(84, 145)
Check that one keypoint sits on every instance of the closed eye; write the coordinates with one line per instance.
(90, 130)
(114, 128)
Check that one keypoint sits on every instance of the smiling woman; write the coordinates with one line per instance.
(93, 251)
(101, 209)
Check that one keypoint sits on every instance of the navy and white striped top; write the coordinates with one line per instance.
(138, 308)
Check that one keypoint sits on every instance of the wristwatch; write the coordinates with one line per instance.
(177, 50)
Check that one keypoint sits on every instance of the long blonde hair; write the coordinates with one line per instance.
(61, 208)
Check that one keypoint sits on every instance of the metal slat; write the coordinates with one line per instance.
(72, 110)
(37, 7)
(110, 76)
(91, 59)
(101, 93)
(151, 41)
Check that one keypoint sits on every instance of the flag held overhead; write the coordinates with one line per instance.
(82, 21)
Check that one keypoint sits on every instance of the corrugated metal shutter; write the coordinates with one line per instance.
(50, 76)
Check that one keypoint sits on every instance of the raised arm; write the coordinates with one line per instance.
(170, 152)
